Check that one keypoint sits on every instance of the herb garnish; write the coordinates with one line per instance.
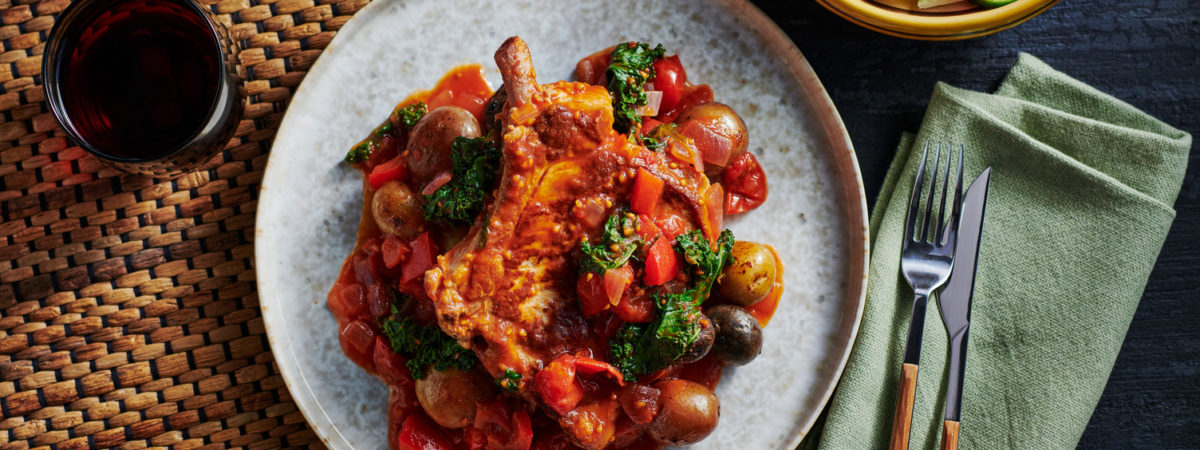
(658, 137)
(631, 66)
(510, 381)
(425, 346)
(617, 243)
(639, 349)
(476, 163)
(360, 152)
(410, 114)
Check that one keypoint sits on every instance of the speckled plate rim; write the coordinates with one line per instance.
(852, 193)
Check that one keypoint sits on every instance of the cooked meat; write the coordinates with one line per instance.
(507, 290)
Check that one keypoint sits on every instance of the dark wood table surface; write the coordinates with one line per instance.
(1146, 52)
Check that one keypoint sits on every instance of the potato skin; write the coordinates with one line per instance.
(738, 335)
(687, 412)
(449, 396)
(750, 277)
(430, 139)
(703, 343)
(397, 210)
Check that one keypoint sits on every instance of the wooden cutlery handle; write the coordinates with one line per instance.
(950, 435)
(904, 407)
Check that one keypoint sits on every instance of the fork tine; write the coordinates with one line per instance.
(932, 191)
(910, 224)
(955, 216)
(941, 221)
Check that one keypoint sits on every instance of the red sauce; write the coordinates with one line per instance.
(362, 294)
(464, 87)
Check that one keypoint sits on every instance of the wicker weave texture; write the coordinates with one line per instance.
(128, 311)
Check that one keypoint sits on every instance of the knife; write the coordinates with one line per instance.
(955, 301)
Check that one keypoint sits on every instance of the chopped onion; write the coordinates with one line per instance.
(653, 101)
(437, 182)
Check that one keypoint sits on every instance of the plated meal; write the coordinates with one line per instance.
(546, 265)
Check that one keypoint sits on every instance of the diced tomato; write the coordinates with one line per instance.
(714, 208)
(692, 96)
(393, 251)
(712, 139)
(500, 425)
(615, 282)
(746, 182)
(358, 343)
(647, 189)
(636, 308)
(592, 297)
(419, 434)
(672, 226)
(420, 260)
(557, 386)
(397, 410)
(639, 401)
(661, 263)
(389, 365)
(649, 125)
(393, 169)
(669, 78)
(590, 366)
(647, 228)
(347, 301)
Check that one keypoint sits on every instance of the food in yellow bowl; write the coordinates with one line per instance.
(938, 20)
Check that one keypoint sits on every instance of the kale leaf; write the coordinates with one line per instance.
(410, 114)
(617, 244)
(705, 262)
(631, 66)
(640, 349)
(510, 381)
(658, 137)
(476, 165)
(360, 152)
(425, 346)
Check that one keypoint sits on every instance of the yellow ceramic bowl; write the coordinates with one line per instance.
(936, 26)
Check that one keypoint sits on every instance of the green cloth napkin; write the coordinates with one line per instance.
(1081, 200)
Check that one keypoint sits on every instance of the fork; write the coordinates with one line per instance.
(926, 261)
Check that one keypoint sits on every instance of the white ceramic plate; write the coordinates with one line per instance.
(815, 216)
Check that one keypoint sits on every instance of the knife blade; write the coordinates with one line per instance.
(955, 301)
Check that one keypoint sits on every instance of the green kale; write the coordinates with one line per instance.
(425, 346)
(510, 381)
(640, 349)
(360, 152)
(410, 114)
(476, 164)
(617, 244)
(706, 264)
(631, 66)
(658, 137)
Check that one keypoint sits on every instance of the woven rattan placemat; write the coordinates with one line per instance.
(128, 311)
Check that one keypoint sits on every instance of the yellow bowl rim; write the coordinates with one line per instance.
(914, 24)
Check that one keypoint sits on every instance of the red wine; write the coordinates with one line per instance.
(141, 78)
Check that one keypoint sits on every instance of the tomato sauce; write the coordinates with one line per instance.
(364, 291)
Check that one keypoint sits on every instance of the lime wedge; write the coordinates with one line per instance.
(925, 4)
(992, 3)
